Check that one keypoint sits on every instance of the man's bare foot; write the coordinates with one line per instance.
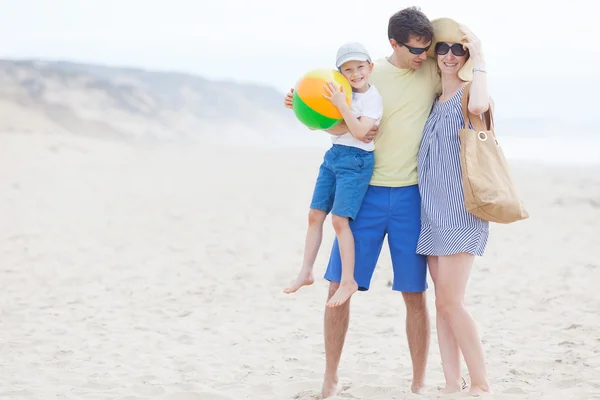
(330, 388)
(305, 278)
(342, 294)
(479, 390)
(417, 388)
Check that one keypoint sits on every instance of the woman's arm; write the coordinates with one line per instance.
(479, 98)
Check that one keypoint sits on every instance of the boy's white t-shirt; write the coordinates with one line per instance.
(368, 104)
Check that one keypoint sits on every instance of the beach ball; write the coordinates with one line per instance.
(308, 103)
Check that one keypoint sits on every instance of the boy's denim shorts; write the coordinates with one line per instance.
(343, 180)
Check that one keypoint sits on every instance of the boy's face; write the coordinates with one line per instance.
(357, 73)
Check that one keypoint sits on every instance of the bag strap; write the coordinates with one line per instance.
(487, 124)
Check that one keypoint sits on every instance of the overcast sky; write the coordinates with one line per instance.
(276, 41)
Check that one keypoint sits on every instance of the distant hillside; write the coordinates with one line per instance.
(117, 102)
(83, 99)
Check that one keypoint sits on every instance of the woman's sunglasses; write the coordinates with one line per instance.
(442, 48)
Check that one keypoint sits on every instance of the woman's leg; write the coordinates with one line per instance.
(452, 277)
(449, 350)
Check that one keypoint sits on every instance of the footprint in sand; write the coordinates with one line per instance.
(196, 396)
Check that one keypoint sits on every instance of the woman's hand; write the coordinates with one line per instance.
(473, 44)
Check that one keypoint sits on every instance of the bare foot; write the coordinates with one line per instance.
(305, 278)
(479, 390)
(454, 387)
(330, 388)
(451, 389)
(417, 388)
(342, 294)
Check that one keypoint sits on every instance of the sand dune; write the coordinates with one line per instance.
(156, 272)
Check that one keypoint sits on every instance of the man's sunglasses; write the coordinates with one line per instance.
(442, 48)
(415, 50)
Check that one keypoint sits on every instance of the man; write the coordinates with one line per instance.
(408, 82)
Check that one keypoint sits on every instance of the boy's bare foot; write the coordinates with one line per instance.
(305, 278)
(342, 294)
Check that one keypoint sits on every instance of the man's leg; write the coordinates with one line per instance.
(336, 326)
(418, 334)
(410, 275)
(368, 230)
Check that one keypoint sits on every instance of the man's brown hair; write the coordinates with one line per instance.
(409, 22)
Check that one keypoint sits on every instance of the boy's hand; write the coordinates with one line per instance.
(371, 134)
(335, 94)
(287, 102)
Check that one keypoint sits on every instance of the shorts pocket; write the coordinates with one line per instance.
(360, 161)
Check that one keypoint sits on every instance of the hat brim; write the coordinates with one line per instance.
(352, 57)
(448, 30)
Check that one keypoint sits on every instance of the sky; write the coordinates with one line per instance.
(274, 42)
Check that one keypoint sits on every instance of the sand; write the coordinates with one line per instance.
(145, 271)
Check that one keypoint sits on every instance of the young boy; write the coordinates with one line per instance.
(346, 170)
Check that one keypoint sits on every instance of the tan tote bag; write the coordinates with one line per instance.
(489, 190)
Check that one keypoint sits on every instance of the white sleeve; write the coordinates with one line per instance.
(372, 105)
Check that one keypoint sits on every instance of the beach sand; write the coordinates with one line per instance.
(145, 271)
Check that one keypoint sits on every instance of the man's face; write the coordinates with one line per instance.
(405, 52)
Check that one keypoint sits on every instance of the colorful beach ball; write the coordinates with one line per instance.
(308, 103)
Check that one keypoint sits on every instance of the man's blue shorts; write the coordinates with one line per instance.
(343, 180)
(395, 212)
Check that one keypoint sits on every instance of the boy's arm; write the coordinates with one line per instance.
(371, 111)
(338, 130)
(358, 127)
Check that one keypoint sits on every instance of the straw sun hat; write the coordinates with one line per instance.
(447, 30)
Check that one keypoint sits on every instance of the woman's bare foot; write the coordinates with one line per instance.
(342, 294)
(479, 390)
(449, 389)
(454, 387)
(305, 278)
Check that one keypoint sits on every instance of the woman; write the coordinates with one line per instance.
(450, 236)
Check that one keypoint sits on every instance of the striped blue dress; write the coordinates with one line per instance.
(446, 226)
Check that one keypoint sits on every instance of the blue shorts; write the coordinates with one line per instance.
(343, 180)
(395, 212)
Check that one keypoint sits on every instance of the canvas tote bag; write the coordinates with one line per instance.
(489, 190)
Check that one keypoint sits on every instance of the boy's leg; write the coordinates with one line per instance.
(368, 229)
(410, 274)
(314, 236)
(354, 169)
(320, 206)
(348, 285)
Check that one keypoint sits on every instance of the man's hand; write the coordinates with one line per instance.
(371, 134)
(288, 99)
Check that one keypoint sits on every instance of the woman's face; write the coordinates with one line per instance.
(451, 57)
